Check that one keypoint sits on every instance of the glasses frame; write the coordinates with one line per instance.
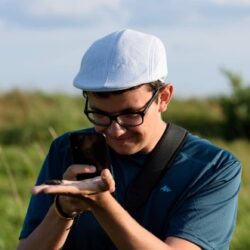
(114, 117)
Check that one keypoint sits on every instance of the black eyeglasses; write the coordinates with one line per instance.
(124, 119)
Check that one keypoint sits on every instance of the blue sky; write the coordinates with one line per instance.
(42, 41)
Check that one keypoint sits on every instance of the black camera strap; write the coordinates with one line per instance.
(160, 159)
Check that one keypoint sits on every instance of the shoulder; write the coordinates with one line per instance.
(208, 157)
(62, 142)
(58, 157)
(199, 149)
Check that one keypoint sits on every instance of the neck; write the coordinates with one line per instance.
(157, 135)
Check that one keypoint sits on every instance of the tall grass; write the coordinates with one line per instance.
(30, 121)
(17, 171)
(240, 149)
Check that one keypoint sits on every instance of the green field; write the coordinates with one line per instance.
(30, 121)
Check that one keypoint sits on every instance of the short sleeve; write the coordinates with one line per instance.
(52, 168)
(207, 215)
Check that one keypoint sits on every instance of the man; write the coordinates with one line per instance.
(193, 206)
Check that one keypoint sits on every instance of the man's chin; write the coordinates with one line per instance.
(124, 149)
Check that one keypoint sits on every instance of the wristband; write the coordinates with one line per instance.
(60, 212)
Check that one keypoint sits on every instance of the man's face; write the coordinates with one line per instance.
(129, 140)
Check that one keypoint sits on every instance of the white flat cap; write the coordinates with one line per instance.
(122, 60)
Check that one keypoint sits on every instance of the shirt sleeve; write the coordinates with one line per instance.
(53, 167)
(207, 215)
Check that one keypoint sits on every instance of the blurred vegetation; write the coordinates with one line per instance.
(236, 108)
(226, 117)
(28, 117)
(30, 120)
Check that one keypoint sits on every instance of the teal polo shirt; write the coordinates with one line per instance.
(195, 200)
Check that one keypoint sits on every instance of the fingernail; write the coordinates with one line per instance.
(92, 167)
(97, 179)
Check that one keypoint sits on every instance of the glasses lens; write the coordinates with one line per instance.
(130, 120)
(98, 119)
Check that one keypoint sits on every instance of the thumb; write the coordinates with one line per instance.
(108, 180)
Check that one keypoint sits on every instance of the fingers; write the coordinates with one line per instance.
(75, 169)
(73, 204)
(79, 188)
(108, 180)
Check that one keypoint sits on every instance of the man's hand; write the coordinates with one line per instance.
(77, 196)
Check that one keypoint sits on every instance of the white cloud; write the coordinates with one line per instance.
(65, 8)
(1, 24)
(232, 2)
(60, 14)
(42, 42)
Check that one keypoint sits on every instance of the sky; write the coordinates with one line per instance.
(42, 41)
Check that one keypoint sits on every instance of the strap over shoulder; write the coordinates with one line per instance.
(160, 159)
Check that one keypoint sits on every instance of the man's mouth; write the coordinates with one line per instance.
(119, 140)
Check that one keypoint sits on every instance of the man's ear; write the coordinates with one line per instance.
(165, 97)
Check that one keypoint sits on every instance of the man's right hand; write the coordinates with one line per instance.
(77, 196)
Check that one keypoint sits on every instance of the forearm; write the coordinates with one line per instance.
(52, 233)
(124, 231)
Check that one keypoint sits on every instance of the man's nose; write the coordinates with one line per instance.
(115, 129)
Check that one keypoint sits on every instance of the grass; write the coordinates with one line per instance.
(29, 122)
(241, 148)
(17, 176)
